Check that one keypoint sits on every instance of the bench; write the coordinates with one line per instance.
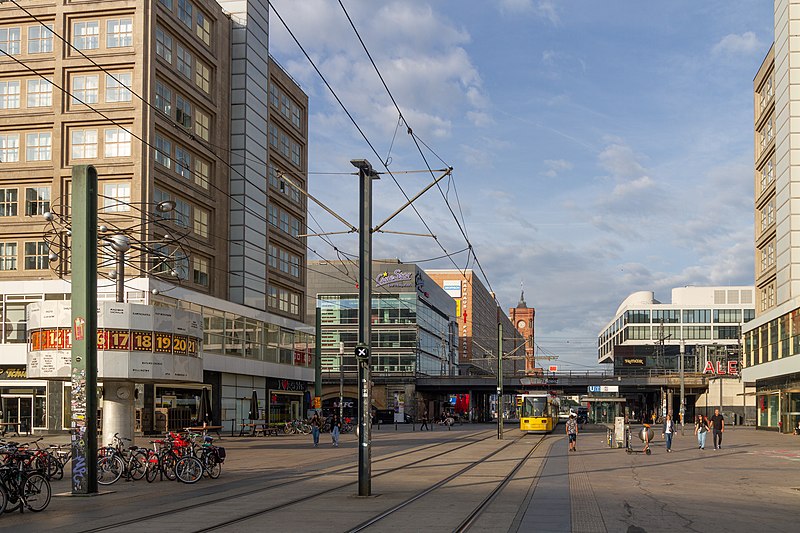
(205, 429)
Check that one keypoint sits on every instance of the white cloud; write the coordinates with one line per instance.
(620, 161)
(542, 8)
(556, 166)
(548, 57)
(738, 44)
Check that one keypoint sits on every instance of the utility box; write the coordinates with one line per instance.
(619, 431)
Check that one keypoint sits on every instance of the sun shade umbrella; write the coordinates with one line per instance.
(254, 406)
(204, 415)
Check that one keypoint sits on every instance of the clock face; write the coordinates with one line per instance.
(521, 324)
(123, 393)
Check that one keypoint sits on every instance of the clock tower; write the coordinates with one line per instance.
(523, 317)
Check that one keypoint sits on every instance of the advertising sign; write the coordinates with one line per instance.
(452, 287)
(634, 361)
(603, 388)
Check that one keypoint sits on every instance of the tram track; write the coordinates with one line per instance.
(467, 523)
(292, 481)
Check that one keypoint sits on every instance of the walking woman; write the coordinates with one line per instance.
(701, 430)
(669, 431)
(336, 426)
(316, 422)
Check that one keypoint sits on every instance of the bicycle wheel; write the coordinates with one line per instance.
(53, 467)
(3, 499)
(109, 469)
(153, 467)
(212, 465)
(137, 464)
(167, 463)
(36, 492)
(189, 469)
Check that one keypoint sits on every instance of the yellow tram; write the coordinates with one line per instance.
(538, 412)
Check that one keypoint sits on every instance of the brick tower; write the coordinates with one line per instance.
(523, 317)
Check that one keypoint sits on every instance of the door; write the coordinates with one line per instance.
(19, 409)
(295, 410)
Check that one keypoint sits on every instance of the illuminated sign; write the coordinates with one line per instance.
(634, 361)
(732, 368)
(398, 278)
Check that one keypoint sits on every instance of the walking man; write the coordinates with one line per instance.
(718, 427)
(572, 432)
(424, 424)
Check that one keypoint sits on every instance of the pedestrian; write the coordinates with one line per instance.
(669, 431)
(718, 427)
(572, 433)
(701, 430)
(424, 424)
(336, 426)
(315, 424)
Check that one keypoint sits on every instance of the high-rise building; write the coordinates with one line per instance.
(478, 316)
(174, 102)
(772, 340)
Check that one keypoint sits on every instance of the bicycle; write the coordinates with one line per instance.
(114, 461)
(176, 460)
(21, 487)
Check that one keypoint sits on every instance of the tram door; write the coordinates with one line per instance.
(19, 409)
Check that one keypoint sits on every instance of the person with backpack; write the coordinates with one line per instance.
(572, 432)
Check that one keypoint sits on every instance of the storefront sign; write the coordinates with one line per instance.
(634, 361)
(603, 388)
(732, 368)
(12, 372)
(134, 341)
(287, 385)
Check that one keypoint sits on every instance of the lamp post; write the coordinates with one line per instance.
(683, 385)
(341, 381)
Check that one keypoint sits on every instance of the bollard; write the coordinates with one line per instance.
(395, 425)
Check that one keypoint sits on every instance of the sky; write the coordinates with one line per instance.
(598, 148)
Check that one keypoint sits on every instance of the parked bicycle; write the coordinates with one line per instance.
(20, 486)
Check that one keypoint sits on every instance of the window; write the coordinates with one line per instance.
(163, 151)
(183, 213)
(40, 39)
(8, 202)
(203, 28)
(274, 97)
(297, 117)
(183, 111)
(36, 255)
(202, 76)
(201, 172)
(297, 154)
(40, 92)
(84, 144)
(166, 3)
(37, 201)
(86, 35)
(9, 147)
(118, 87)
(273, 135)
(116, 197)
(38, 146)
(9, 94)
(164, 44)
(201, 222)
(8, 256)
(202, 125)
(158, 197)
(163, 98)
(10, 40)
(117, 142)
(727, 316)
(119, 32)
(277, 182)
(183, 162)
(200, 271)
(184, 61)
(284, 261)
(185, 12)
(85, 89)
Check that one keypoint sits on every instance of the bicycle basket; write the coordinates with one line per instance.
(220, 453)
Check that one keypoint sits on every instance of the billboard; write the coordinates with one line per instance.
(134, 342)
(452, 287)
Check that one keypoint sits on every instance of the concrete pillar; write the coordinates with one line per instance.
(118, 411)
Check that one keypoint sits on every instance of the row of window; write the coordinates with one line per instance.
(767, 253)
(37, 201)
(182, 161)
(40, 39)
(687, 333)
(286, 106)
(767, 300)
(192, 17)
(767, 215)
(118, 33)
(35, 255)
(186, 114)
(185, 214)
(284, 300)
(767, 91)
(83, 144)
(169, 261)
(185, 63)
(285, 261)
(287, 146)
(277, 182)
(767, 174)
(282, 220)
(38, 93)
(766, 134)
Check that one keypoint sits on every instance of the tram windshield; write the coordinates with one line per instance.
(535, 407)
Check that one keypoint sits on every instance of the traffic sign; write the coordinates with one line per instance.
(362, 351)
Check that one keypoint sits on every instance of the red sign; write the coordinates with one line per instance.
(80, 324)
(553, 368)
(731, 370)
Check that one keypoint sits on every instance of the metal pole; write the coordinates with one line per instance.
(341, 381)
(84, 330)
(499, 377)
(365, 174)
(683, 385)
(318, 357)
(120, 277)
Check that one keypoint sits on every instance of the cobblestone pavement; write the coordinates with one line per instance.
(752, 483)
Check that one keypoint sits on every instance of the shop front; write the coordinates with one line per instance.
(22, 401)
(288, 400)
(603, 410)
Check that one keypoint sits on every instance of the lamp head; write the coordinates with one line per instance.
(166, 206)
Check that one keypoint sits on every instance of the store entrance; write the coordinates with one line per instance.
(19, 409)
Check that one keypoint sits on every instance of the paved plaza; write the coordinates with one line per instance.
(284, 484)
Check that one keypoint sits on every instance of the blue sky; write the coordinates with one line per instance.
(599, 148)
